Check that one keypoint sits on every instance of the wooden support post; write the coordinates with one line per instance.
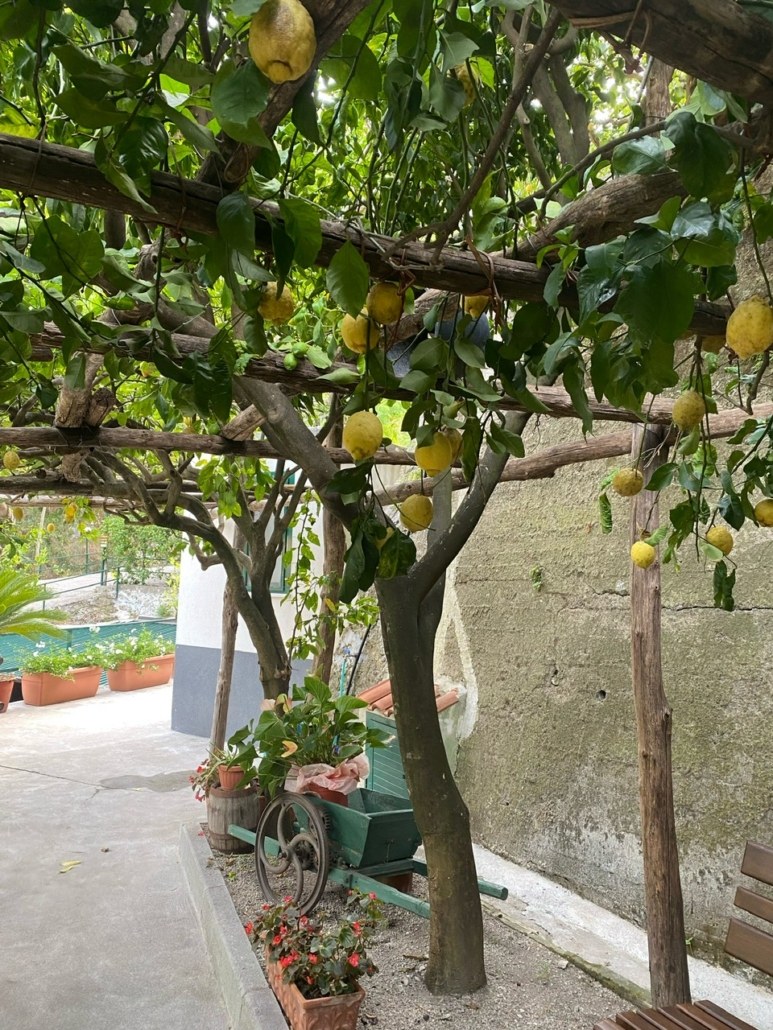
(669, 977)
(230, 624)
(334, 543)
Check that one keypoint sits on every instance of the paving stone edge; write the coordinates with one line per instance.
(249, 1001)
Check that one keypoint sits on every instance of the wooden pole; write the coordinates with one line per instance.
(334, 543)
(230, 625)
(669, 977)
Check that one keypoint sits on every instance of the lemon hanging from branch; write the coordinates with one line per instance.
(385, 303)
(750, 327)
(362, 435)
(360, 334)
(282, 40)
(416, 513)
(437, 457)
(277, 309)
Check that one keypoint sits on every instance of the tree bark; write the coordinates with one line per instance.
(230, 624)
(334, 543)
(64, 173)
(409, 625)
(716, 41)
(669, 977)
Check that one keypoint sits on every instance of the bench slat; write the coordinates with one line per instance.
(703, 1019)
(633, 1021)
(732, 1021)
(750, 945)
(758, 862)
(754, 903)
(606, 1024)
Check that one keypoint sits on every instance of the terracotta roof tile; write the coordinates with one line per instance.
(379, 698)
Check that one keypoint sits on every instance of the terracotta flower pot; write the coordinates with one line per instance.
(338, 1013)
(230, 778)
(6, 689)
(41, 688)
(153, 672)
(329, 795)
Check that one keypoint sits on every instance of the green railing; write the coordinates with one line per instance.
(13, 648)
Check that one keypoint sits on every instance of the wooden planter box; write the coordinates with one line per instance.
(153, 672)
(339, 1013)
(41, 688)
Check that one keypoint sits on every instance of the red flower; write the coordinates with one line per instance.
(356, 928)
(313, 959)
(285, 961)
(265, 907)
(354, 960)
(277, 939)
(372, 896)
(200, 769)
(303, 920)
(288, 898)
(283, 929)
(249, 928)
(309, 980)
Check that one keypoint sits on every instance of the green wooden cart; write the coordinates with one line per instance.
(302, 841)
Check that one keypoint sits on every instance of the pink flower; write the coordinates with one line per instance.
(357, 929)
(313, 959)
(354, 960)
(200, 769)
(277, 939)
(309, 980)
(248, 929)
(285, 961)
(372, 896)
(288, 898)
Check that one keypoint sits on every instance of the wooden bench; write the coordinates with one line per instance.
(744, 941)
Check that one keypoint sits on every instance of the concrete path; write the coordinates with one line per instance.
(111, 944)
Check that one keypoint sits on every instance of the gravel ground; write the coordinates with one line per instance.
(528, 986)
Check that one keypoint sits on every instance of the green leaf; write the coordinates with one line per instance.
(565, 342)
(191, 73)
(244, 8)
(351, 63)
(711, 552)
(471, 355)
(342, 376)
(553, 285)
(236, 222)
(724, 582)
(605, 513)
(90, 114)
(197, 135)
(658, 536)
(472, 438)
(430, 356)
(511, 442)
(639, 156)
(398, 555)
(662, 477)
(702, 157)
(75, 374)
(574, 381)
(118, 177)
(302, 225)
(659, 301)
(239, 96)
(446, 95)
(100, 13)
(26, 320)
(75, 256)
(348, 279)
(304, 114)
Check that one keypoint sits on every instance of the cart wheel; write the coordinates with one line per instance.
(292, 854)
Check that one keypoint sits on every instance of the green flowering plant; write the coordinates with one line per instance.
(322, 961)
(60, 660)
(207, 775)
(134, 647)
(310, 728)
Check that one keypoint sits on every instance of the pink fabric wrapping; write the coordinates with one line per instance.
(344, 778)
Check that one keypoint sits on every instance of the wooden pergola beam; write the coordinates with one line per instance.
(718, 41)
(32, 167)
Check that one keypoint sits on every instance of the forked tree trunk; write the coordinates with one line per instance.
(456, 923)
(230, 625)
(669, 977)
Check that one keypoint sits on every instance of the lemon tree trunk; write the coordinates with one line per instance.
(669, 976)
(456, 923)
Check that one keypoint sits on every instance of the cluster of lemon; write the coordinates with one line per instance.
(749, 332)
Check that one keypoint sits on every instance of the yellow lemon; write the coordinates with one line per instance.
(360, 333)
(11, 460)
(50, 527)
(455, 438)
(70, 512)
(282, 40)
(763, 512)
(362, 435)
(476, 303)
(689, 410)
(642, 554)
(275, 308)
(721, 538)
(18, 513)
(462, 73)
(389, 533)
(416, 513)
(435, 458)
(750, 327)
(385, 303)
(628, 482)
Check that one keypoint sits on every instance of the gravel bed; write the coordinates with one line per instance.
(528, 986)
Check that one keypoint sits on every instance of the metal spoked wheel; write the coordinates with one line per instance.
(292, 854)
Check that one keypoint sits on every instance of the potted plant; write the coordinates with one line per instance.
(225, 769)
(138, 660)
(314, 970)
(18, 593)
(226, 781)
(317, 738)
(51, 675)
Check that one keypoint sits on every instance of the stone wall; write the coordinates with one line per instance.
(536, 628)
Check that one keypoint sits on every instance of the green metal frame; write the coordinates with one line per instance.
(363, 879)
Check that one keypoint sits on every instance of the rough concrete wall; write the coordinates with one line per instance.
(549, 768)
